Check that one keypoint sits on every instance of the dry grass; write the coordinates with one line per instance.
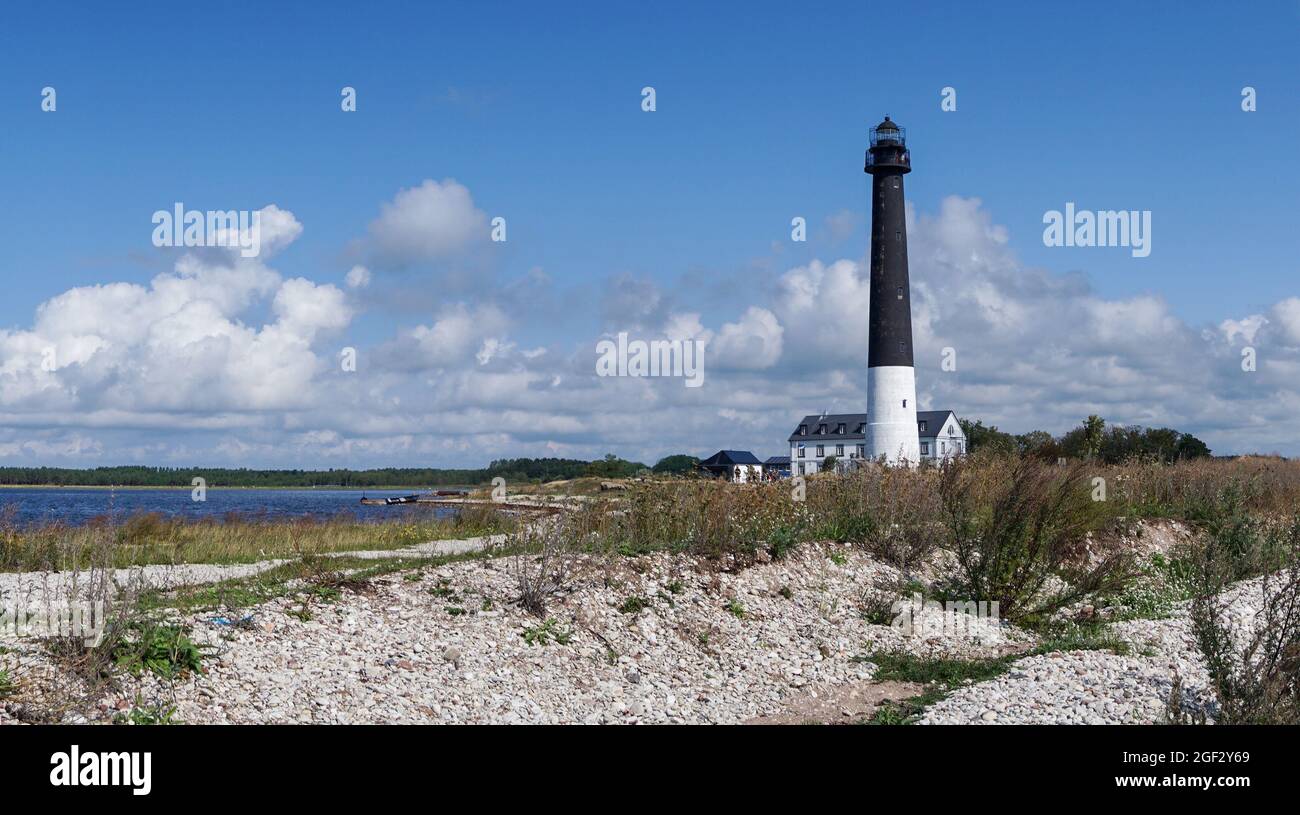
(155, 539)
(893, 513)
(85, 658)
(1269, 485)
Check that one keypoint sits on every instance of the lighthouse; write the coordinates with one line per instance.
(891, 429)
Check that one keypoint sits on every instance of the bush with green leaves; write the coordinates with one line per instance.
(1254, 669)
(164, 650)
(546, 632)
(1019, 531)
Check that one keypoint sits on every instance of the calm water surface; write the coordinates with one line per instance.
(73, 505)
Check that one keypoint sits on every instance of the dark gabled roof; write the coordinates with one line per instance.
(934, 421)
(729, 458)
(851, 422)
(778, 460)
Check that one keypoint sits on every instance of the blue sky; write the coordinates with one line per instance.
(762, 115)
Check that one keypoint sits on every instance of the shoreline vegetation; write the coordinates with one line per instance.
(1064, 549)
(147, 539)
(894, 513)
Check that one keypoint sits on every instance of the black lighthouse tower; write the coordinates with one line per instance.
(891, 379)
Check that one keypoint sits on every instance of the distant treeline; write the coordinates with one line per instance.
(1090, 440)
(515, 470)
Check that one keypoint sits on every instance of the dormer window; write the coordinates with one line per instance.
(922, 423)
(803, 430)
(821, 430)
(862, 427)
(839, 429)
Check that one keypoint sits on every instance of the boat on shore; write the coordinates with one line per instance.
(397, 499)
(415, 498)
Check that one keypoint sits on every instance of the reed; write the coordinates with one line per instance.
(152, 538)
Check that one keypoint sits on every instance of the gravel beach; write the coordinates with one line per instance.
(662, 638)
(654, 639)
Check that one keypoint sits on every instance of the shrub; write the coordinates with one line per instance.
(546, 554)
(1239, 543)
(1257, 682)
(1018, 529)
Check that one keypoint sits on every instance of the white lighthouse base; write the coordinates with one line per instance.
(891, 415)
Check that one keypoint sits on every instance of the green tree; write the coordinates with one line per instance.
(1038, 443)
(676, 464)
(611, 466)
(1191, 447)
(979, 437)
(1094, 428)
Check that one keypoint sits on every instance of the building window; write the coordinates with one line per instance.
(839, 429)
(801, 452)
(922, 423)
(925, 448)
(821, 430)
(839, 449)
(862, 451)
(862, 426)
(943, 447)
(898, 237)
(803, 430)
(801, 465)
(821, 450)
(900, 292)
(904, 403)
(895, 180)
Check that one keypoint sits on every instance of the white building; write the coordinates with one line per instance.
(844, 436)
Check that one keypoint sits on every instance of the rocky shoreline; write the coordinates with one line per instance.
(654, 639)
